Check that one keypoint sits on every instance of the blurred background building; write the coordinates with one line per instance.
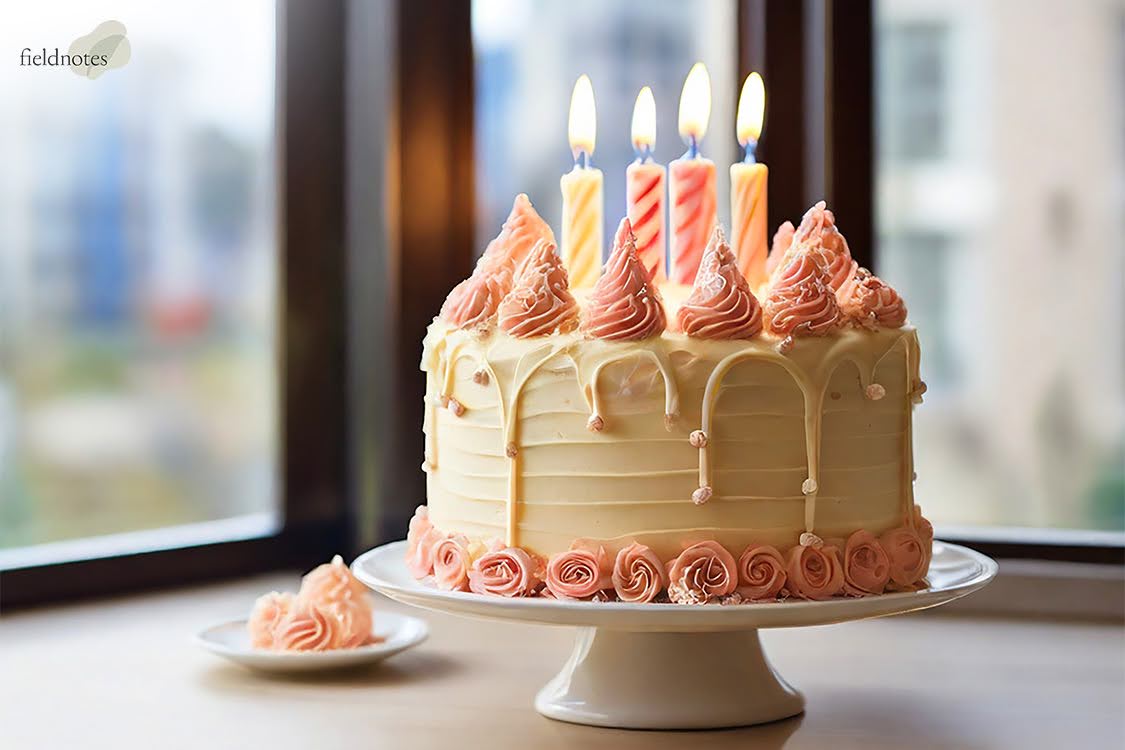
(137, 275)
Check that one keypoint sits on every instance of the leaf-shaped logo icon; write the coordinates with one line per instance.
(104, 48)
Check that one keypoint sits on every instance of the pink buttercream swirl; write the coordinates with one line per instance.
(703, 572)
(907, 555)
(868, 301)
(761, 572)
(420, 540)
(638, 574)
(721, 305)
(522, 231)
(814, 569)
(817, 231)
(799, 301)
(475, 301)
(579, 573)
(452, 563)
(268, 612)
(782, 239)
(354, 616)
(926, 533)
(624, 305)
(541, 302)
(867, 568)
(331, 582)
(309, 627)
(507, 572)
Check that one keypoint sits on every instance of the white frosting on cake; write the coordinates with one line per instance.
(552, 439)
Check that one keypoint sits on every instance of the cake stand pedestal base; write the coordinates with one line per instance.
(645, 680)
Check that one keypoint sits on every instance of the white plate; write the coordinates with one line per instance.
(231, 641)
(955, 572)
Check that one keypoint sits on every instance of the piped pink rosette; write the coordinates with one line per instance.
(268, 612)
(420, 540)
(721, 305)
(624, 305)
(638, 575)
(309, 627)
(509, 572)
(581, 572)
(452, 562)
(868, 301)
(867, 568)
(799, 301)
(761, 573)
(817, 231)
(703, 572)
(331, 582)
(475, 301)
(926, 533)
(814, 570)
(909, 561)
(540, 303)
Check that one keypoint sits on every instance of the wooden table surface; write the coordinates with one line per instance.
(125, 673)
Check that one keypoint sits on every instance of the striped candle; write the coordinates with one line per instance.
(644, 189)
(582, 225)
(583, 204)
(692, 180)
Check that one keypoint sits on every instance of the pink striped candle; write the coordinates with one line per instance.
(644, 189)
(693, 213)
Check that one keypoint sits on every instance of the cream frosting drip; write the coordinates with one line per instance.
(792, 442)
(721, 305)
(624, 305)
(541, 302)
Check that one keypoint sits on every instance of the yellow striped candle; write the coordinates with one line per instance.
(644, 189)
(583, 203)
(692, 181)
(748, 182)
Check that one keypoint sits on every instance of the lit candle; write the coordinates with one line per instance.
(692, 180)
(748, 181)
(582, 192)
(644, 189)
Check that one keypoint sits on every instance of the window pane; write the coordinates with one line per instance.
(1001, 184)
(137, 274)
(529, 54)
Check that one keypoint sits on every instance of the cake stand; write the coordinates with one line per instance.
(673, 666)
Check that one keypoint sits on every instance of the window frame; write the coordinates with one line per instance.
(312, 358)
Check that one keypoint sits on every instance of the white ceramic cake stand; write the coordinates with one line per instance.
(673, 666)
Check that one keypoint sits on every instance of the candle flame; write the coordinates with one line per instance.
(695, 103)
(644, 120)
(583, 125)
(751, 108)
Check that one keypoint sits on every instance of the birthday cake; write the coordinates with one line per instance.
(642, 441)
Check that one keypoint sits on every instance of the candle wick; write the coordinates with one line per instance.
(693, 147)
(644, 153)
(751, 152)
(582, 160)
